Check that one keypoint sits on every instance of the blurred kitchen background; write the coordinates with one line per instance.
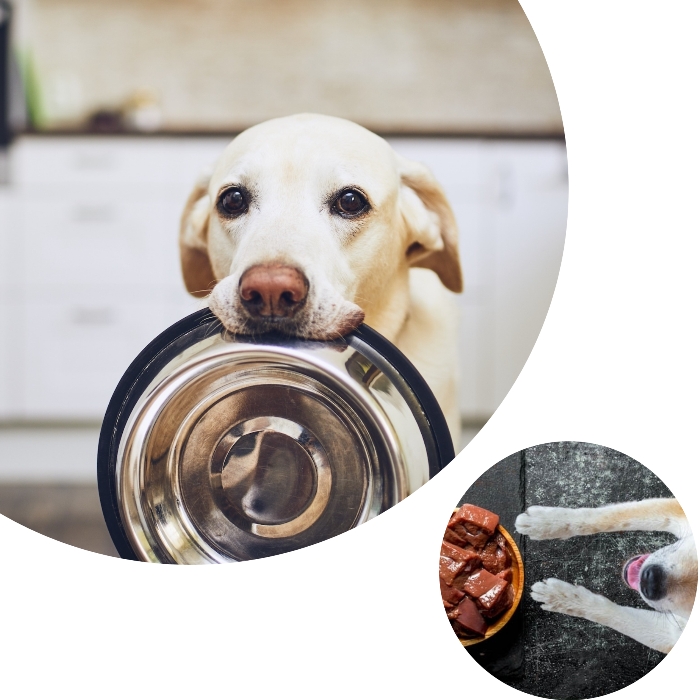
(108, 111)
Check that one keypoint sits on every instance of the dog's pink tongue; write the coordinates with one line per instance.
(631, 571)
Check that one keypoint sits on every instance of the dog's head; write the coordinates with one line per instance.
(307, 224)
(666, 579)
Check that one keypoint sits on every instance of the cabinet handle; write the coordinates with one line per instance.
(93, 214)
(92, 316)
(94, 161)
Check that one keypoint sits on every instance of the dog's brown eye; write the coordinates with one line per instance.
(351, 203)
(233, 202)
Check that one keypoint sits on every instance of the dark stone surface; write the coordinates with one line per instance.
(498, 490)
(548, 654)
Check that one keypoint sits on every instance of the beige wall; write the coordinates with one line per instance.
(394, 65)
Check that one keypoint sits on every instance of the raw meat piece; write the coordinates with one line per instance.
(456, 553)
(469, 514)
(480, 582)
(449, 568)
(453, 612)
(488, 600)
(495, 558)
(474, 524)
(506, 575)
(461, 579)
(495, 601)
(452, 537)
(469, 621)
(449, 594)
(456, 564)
(501, 542)
(460, 533)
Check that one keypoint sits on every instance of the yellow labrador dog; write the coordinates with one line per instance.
(311, 224)
(666, 579)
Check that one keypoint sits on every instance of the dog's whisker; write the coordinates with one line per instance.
(668, 613)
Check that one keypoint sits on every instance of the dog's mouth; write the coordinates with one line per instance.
(326, 316)
(270, 324)
(631, 571)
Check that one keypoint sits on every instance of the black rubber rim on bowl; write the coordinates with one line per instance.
(163, 348)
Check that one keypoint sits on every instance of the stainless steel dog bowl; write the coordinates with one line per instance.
(217, 448)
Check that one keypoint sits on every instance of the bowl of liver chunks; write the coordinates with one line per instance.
(481, 574)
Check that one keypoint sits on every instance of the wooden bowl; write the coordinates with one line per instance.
(518, 585)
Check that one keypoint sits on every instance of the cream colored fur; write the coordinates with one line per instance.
(395, 264)
(659, 628)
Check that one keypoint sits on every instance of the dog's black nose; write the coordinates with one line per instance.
(652, 582)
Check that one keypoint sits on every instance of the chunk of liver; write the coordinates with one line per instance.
(449, 569)
(494, 557)
(495, 601)
(469, 620)
(457, 563)
(456, 553)
(506, 575)
(474, 524)
(480, 582)
(450, 594)
(452, 537)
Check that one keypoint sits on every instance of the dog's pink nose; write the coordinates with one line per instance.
(273, 290)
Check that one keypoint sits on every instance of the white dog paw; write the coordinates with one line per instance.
(544, 523)
(561, 597)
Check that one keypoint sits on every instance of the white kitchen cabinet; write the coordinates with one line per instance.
(527, 231)
(77, 345)
(90, 273)
(5, 325)
(510, 199)
(6, 223)
(8, 297)
(94, 260)
(70, 162)
(92, 238)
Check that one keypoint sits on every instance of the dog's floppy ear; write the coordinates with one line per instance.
(433, 237)
(196, 267)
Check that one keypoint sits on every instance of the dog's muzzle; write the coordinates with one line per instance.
(272, 292)
(631, 571)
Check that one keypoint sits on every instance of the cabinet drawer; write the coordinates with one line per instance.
(96, 160)
(5, 350)
(76, 350)
(96, 239)
(87, 161)
(476, 400)
(10, 236)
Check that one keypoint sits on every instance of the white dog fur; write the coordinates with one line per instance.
(659, 628)
(359, 267)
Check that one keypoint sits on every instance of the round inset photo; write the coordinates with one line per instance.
(568, 570)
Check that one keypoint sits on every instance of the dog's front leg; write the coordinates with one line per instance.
(653, 629)
(655, 514)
